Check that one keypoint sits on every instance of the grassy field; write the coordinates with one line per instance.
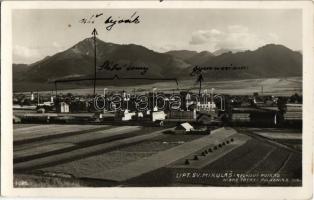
(120, 156)
(34, 132)
(254, 156)
(271, 86)
(33, 181)
(35, 152)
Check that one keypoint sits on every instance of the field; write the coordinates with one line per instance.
(106, 155)
(254, 159)
(270, 86)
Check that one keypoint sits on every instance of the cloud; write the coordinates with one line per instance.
(27, 55)
(22, 54)
(163, 47)
(234, 37)
(205, 36)
(56, 44)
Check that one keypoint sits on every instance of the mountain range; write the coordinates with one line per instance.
(132, 60)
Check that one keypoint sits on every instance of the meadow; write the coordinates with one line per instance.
(270, 86)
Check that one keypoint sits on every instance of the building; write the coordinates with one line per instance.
(205, 106)
(183, 128)
(181, 116)
(64, 107)
(125, 116)
(32, 96)
(158, 115)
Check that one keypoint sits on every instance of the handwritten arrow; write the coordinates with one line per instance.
(94, 33)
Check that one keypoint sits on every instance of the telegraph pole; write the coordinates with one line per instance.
(94, 33)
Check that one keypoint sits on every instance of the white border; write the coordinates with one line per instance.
(304, 192)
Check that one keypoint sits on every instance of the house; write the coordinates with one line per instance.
(64, 107)
(183, 128)
(128, 115)
(158, 115)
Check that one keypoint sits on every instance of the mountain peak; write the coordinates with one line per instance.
(223, 51)
(86, 46)
(89, 41)
(206, 53)
(182, 54)
(273, 46)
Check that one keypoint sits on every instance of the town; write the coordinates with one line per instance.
(165, 108)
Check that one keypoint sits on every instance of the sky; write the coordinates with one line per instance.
(42, 32)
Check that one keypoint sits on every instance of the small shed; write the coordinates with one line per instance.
(183, 128)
